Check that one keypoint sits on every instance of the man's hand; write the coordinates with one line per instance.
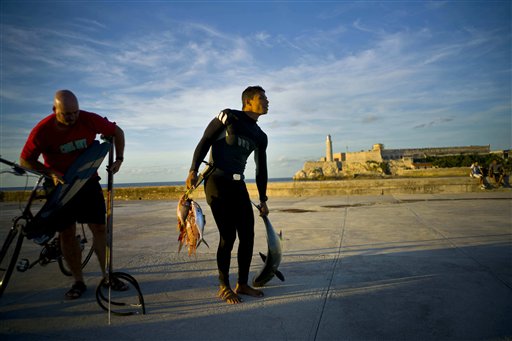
(39, 167)
(57, 179)
(116, 166)
(263, 209)
(191, 179)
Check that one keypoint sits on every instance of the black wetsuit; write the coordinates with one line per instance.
(233, 136)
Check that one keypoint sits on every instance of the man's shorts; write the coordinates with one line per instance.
(87, 206)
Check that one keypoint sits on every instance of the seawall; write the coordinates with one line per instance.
(305, 188)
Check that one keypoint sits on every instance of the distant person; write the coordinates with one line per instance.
(231, 137)
(61, 138)
(476, 172)
(496, 172)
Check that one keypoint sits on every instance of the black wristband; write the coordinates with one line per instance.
(264, 199)
(119, 158)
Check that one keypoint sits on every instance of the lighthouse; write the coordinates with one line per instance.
(328, 149)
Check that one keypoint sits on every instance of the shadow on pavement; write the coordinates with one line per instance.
(363, 293)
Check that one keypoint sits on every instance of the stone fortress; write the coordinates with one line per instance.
(376, 162)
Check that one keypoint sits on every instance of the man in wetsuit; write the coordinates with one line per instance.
(231, 137)
(61, 138)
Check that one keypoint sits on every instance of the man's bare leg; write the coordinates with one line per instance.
(71, 252)
(500, 182)
(99, 234)
(244, 289)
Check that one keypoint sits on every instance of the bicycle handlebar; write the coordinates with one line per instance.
(19, 170)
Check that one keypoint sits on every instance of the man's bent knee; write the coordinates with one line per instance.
(98, 228)
(68, 233)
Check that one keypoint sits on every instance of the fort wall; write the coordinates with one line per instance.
(374, 161)
(363, 157)
(394, 154)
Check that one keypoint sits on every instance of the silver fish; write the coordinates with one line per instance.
(200, 222)
(273, 257)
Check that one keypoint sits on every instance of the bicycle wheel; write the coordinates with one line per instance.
(9, 253)
(84, 237)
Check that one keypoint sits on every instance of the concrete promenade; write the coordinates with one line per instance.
(382, 267)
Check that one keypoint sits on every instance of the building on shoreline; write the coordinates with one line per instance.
(380, 160)
(379, 154)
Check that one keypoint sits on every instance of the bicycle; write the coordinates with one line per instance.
(50, 252)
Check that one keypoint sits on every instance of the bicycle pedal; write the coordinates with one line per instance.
(22, 265)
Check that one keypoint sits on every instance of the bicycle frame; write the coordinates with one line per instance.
(15, 234)
(50, 250)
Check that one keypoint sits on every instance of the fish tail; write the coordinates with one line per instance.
(202, 241)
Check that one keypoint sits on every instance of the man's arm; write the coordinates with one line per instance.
(41, 168)
(260, 158)
(119, 147)
(209, 137)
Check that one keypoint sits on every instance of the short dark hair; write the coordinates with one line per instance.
(250, 92)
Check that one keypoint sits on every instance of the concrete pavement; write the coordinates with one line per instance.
(386, 267)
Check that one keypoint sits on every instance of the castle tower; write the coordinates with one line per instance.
(378, 147)
(328, 149)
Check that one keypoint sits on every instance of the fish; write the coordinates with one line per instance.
(200, 221)
(273, 257)
(191, 224)
(192, 233)
(182, 211)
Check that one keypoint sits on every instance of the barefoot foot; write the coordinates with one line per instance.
(228, 295)
(244, 289)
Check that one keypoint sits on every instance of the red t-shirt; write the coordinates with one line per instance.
(61, 146)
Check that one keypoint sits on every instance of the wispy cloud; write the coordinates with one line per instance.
(435, 5)
(370, 119)
(91, 24)
(362, 27)
(437, 121)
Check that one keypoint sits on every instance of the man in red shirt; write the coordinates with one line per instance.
(61, 138)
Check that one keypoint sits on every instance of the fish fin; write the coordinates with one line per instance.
(263, 257)
(279, 275)
(202, 241)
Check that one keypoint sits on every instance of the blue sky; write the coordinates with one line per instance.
(401, 73)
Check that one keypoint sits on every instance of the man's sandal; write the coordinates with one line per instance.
(76, 291)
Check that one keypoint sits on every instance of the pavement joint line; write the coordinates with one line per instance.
(460, 250)
(335, 263)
